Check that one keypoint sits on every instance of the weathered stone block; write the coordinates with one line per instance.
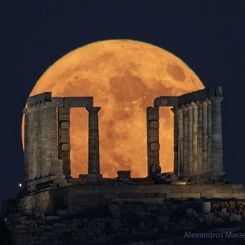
(39, 99)
(154, 146)
(153, 139)
(190, 195)
(78, 101)
(152, 132)
(64, 136)
(65, 147)
(238, 195)
(124, 174)
(64, 117)
(58, 101)
(64, 114)
(236, 218)
(206, 207)
(174, 195)
(65, 125)
(152, 113)
(153, 116)
(166, 101)
(154, 124)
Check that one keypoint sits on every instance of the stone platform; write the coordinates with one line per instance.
(109, 213)
(126, 214)
(76, 197)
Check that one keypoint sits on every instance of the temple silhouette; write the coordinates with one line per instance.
(52, 207)
(198, 149)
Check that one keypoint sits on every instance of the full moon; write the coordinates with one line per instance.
(124, 77)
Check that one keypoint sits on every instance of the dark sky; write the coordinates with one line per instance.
(208, 35)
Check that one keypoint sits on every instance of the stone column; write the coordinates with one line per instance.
(217, 144)
(176, 132)
(34, 149)
(153, 146)
(185, 139)
(51, 147)
(205, 136)
(190, 140)
(209, 138)
(180, 141)
(93, 142)
(27, 124)
(42, 142)
(194, 137)
(64, 139)
(199, 139)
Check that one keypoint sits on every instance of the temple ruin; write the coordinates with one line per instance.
(198, 149)
(52, 207)
(47, 138)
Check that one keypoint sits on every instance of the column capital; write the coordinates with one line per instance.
(193, 104)
(179, 110)
(198, 103)
(93, 109)
(189, 107)
(184, 107)
(207, 101)
(152, 109)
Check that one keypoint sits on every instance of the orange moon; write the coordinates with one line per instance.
(124, 77)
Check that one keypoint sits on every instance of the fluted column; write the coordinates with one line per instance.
(217, 143)
(176, 132)
(185, 140)
(209, 138)
(93, 141)
(153, 146)
(180, 141)
(204, 136)
(194, 137)
(199, 139)
(190, 140)
(33, 134)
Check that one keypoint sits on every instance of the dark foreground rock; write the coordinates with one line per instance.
(190, 221)
(5, 237)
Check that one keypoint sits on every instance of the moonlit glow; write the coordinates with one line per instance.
(124, 77)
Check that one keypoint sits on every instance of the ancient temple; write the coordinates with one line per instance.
(47, 138)
(198, 149)
(52, 207)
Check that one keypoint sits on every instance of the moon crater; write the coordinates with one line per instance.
(176, 72)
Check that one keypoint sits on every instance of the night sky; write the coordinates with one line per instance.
(208, 35)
